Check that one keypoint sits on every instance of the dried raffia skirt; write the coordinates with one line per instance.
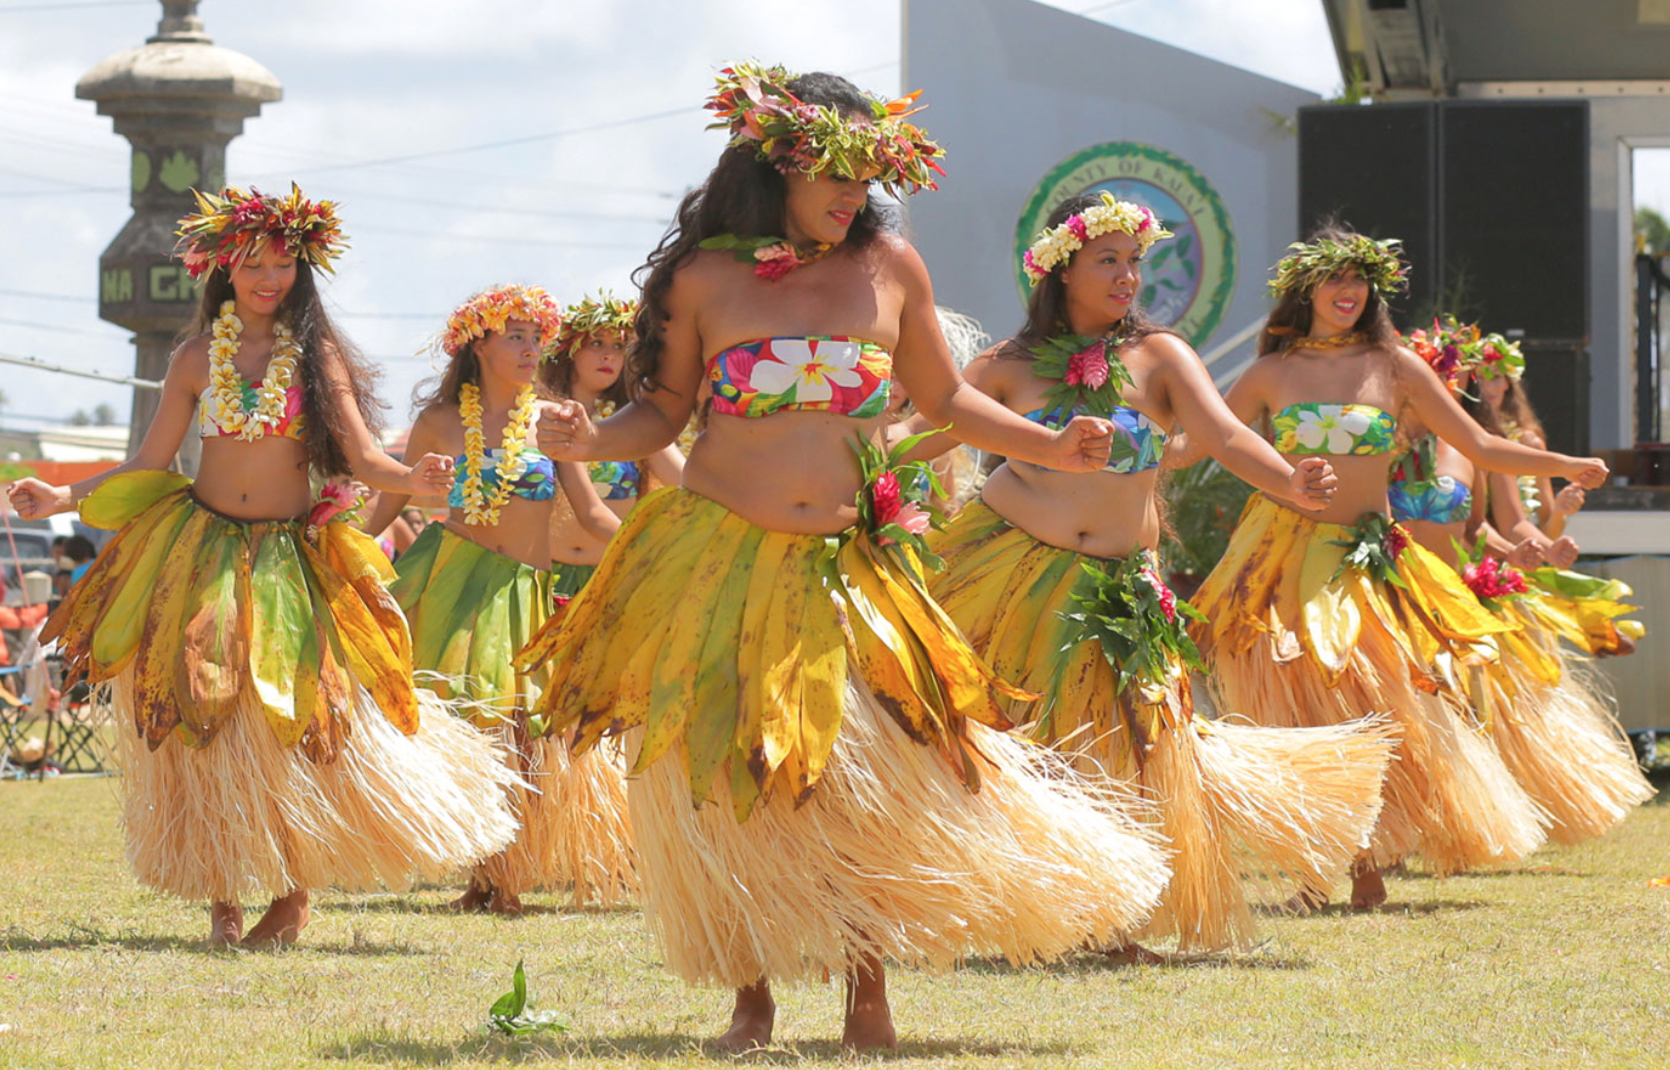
(1546, 711)
(471, 609)
(819, 768)
(1290, 806)
(1305, 627)
(269, 733)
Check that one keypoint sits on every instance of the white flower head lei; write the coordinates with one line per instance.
(1055, 246)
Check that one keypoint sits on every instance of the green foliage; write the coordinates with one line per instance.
(1139, 622)
(512, 1015)
(1202, 504)
(1374, 544)
(1653, 231)
(1071, 392)
(894, 487)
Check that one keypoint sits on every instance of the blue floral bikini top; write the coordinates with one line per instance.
(1138, 442)
(1415, 493)
(537, 483)
(615, 480)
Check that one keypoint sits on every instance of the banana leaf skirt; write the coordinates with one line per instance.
(267, 727)
(1309, 623)
(1548, 713)
(471, 609)
(819, 769)
(1294, 806)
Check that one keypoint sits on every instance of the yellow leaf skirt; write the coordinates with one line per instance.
(1291, 805)
(1554, 729)
(815, 772)
(267, 728)
(1293, 640)
(471, 609)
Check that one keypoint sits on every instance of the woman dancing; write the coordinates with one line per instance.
(277, 741)
(1552, 729)
(478, 586)
(821, 779)
(1054, 578)
(585, 362)
(1315, 621)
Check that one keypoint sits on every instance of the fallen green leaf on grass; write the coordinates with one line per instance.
(512, 1016)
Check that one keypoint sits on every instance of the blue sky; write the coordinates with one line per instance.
(367, 80)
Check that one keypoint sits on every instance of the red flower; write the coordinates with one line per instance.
(1394, 542)
(885, 498)
(1089, 367)
(1075, 223)
(1168, 598)
(561, 601)
(1491, 579)
(775, 261)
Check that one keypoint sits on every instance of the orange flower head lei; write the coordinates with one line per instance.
(754, 103)
(491, 310)
(229, 225)
(605, 312)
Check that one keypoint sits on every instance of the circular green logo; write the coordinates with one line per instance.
(1187, 281)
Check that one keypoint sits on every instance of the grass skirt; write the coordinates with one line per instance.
(1294, 639)
(267, 725)
(246, 816)
(1292, 805)
(810, 687)
(1554, 728)
(471, 609)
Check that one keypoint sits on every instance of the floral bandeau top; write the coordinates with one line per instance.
(1334, 429)
(1138, 442)
(846, 376)
(614, 480)
(537, 483)
(292, 425)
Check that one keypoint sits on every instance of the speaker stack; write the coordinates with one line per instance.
(1491, 201)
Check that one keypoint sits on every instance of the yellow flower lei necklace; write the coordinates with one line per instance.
(479, 507)
(224, 403)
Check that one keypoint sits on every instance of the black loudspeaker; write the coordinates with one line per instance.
(1557, 382)
(1513, 186)
(1372, 169)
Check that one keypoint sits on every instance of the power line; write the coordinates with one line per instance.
(37, 295)
(502, 144)
(504, 239)
(38, 326)
(11, 9)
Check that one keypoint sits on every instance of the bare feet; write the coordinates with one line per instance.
(474, 900)
(1308, 901)
(869, 1023)
(282, 922)
(1368, 888)
(751, 1020)
(226, 924)
(505, 904)
(1133, 954)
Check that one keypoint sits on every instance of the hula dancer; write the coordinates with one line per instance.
(821, 777)
(1315, 621)
(1553, 730)
(269, 733)
(585, 362)
(1054, 578)
(478, 586)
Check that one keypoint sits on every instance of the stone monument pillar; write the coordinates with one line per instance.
(179, 99)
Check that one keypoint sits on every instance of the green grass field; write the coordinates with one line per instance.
(1563, 961)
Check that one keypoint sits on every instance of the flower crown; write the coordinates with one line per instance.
(228, 226)
(604, 312)
(1307, 264)
(1454, 348)
(491, 310)
(755, 105)
(1056, 245)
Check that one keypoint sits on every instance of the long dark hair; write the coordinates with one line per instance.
(743, 195)
(556, 378)
(313, 330)
(462, 367)
(1516, 407)
(1291, 318)
(1474, 404)
(1046, 308)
